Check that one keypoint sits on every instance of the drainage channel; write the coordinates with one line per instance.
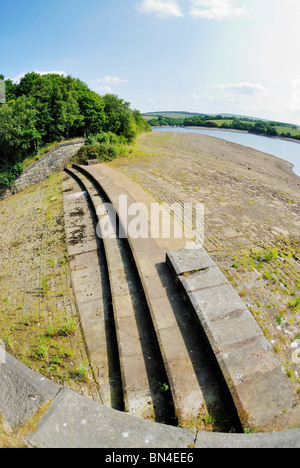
(221, 413)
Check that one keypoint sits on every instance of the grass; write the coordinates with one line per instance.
(277, 275)
(294, 305)
(44, 284)
(38, 320)
(10, 438)
(42, 151)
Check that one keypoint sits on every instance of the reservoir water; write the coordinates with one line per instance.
(287, 150)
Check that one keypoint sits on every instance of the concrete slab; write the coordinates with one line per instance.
(247, 360)
(263, 398)
(232, 331)
(207, 278)
(75, 422)
(185, 261)
(252, 371)
(137, 393)
(90, 288)
(287, 440)
(216, 303)
(22, 392)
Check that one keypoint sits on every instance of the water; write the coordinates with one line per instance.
(287, 150)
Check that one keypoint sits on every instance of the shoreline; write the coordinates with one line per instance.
(234, 130)
(287, 166)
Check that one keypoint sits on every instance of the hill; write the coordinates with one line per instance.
(225, 121)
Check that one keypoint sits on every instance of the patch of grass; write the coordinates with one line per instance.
(40, 349)
(81, 373)
(294, 305)
(69, 328)
(44, 284)
(278, 319)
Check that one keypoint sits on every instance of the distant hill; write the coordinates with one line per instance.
(171, 114)
(183, 115)
(224, 121)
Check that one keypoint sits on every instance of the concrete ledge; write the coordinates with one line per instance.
(22, 392)
(259, 388)
(73, 421)
(76, 422)
(287, 439)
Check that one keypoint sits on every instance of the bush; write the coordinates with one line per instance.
(9, 174)
(85, 153)
(101, 151)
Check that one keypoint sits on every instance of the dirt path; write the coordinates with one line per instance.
(252, 221)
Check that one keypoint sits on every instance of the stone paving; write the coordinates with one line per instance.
(252, 222)
(38, 315)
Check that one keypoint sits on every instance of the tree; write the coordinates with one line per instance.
(120, 118)
(26, 84)
(92, 118)
(18, 133)
(43, 109)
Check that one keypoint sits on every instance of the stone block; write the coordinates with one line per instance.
(203, 279)
(188, 260)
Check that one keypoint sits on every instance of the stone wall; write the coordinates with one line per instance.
(53, 161)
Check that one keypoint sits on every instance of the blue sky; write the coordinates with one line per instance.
(210, 56)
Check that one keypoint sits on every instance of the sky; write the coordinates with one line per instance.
(207, 56)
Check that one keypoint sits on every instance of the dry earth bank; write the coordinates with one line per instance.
(252, 221)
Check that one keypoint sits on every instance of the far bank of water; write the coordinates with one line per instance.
(287, 150)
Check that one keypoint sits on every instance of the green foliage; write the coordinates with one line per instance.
(9, 174)
(229, 122)
(121, 120)
(101, 151)
(43, 109)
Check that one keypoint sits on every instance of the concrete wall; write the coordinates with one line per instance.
(52, 162)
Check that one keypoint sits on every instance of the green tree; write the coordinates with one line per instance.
(92, 118)
(18, 133)
(120, 118)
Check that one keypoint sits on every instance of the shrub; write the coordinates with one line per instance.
(107, 152)
(9, 174)
(85, 153)
(101, 151)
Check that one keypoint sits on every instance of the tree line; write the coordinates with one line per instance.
(49, 108)
(258, 127)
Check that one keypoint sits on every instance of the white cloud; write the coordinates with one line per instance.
(17, 78)
(109, 81)
(105, 85)
(161, 8)
(216, 9)
(102, 89)
(296, 4)
(242, 88)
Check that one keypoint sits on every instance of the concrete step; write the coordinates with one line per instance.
(91, 288)
(189, 376)
(124, 291)
(253, 372)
